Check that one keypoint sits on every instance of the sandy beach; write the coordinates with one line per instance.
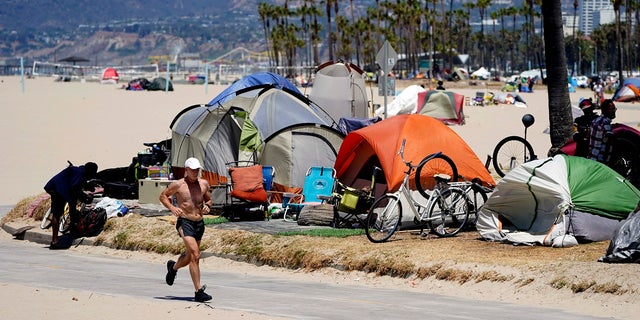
(52, 122)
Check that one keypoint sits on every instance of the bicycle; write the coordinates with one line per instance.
(513, 151)
(445, 213)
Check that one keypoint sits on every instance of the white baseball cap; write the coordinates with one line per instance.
(192, 163)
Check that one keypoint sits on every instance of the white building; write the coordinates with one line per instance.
(593, 13)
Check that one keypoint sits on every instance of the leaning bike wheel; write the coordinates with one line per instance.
(511, 152)
(46, 220)
(450, 212)
(383, 218)
(430, 166)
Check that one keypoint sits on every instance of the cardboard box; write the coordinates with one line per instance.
(149, 190)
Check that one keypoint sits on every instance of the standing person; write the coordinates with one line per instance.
(193, 201)
(601, 141)
(67, 187)
(583, 127)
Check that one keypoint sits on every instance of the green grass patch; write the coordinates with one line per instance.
(217, 220)
(327, 233)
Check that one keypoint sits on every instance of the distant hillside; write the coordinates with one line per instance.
(50, 14)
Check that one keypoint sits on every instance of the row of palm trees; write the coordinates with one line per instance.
(304, 32)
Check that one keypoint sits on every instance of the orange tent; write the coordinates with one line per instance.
(378, 145)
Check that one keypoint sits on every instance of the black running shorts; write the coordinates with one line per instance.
(188, 228)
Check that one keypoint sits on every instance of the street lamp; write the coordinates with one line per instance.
(575, 10)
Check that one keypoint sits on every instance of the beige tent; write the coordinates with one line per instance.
(339, 88)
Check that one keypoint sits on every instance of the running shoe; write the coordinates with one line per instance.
(201, 296)
(171, 274)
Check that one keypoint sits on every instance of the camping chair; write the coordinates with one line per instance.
(349, 203)
(318, 184)
(246, 195)
(479, 99)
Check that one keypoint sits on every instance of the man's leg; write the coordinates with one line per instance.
(192, 259)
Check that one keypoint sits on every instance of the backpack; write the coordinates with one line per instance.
(92, 222)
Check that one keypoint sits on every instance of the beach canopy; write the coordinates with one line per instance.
(378, 144)
(551, 200)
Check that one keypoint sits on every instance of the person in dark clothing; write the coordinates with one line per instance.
(583, 127)
(67, 187)
(440, 85)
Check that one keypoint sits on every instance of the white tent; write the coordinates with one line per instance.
(481, 73)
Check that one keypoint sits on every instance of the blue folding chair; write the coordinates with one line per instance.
(318, 184)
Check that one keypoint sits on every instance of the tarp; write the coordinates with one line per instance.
(254, 79)
(236, 129)
(625, 244)
(160, 84)
(628, 91)
(533, 202)
(379, 143)
(406, 102)
(339, 88)
(445, 106)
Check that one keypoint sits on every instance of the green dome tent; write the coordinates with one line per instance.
(551, 198)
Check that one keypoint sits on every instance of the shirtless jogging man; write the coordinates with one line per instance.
(193, 201)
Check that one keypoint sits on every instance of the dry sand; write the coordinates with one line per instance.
(51, 122)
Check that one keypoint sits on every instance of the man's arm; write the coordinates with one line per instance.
(167, 194)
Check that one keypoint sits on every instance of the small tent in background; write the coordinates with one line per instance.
(339, 88)
(482, 74)
(552, 200)
(628, 91)
(110, 76)
(445, 106)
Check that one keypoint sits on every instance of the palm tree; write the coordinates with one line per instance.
(560, 117)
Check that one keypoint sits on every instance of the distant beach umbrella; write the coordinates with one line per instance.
(74, 59)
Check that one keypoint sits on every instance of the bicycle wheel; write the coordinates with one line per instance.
(477, 197)
(450, 212)
(46, 220)
(511, 152)
(625, 159)
(383, 218)
(430, 166)
(65, 221)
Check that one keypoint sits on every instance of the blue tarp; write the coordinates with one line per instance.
(251, 80)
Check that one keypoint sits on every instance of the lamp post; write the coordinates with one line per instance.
(575, 10)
